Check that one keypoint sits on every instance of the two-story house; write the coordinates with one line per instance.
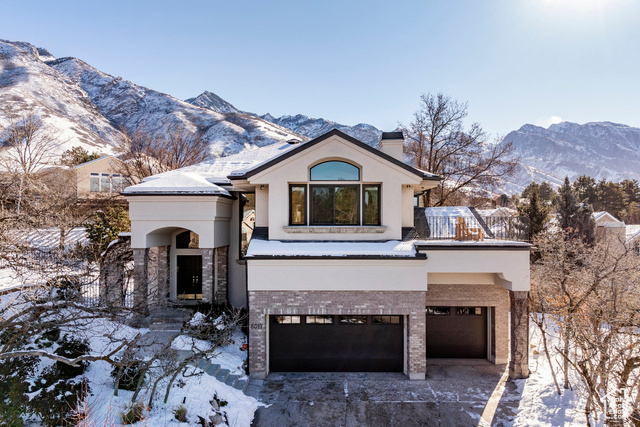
(317, 241)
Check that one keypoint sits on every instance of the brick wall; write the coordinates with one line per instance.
(222, 275)
(207, 275)
(478, 296)
(266, 303)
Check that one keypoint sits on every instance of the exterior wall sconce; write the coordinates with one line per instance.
(262, 187)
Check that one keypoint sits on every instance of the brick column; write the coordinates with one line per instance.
(519, 362)
(417, 351)
(221, 272)
(163, 273)
(140, 279)
(258, 334)
(207, 275)
(153, 297)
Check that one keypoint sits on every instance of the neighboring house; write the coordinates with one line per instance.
(335, 277)
(632, 237)
(609, 226)
(99, 176)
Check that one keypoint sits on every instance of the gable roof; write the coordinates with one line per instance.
(335, 132)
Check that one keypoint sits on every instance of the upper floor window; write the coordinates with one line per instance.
(335, 170)
(334, 204)
(105, 182)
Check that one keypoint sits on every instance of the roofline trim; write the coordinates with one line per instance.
(333, 132)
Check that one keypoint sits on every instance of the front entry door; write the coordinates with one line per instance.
(189, 277)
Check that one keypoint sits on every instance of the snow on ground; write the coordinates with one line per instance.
(194, 392)
(540, 404)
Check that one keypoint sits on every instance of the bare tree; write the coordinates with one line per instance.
(590, 294)
(142, 154)
(28, 146)
(436, 141)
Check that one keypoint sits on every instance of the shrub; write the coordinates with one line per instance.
(14, 401)
(64, 287)
(133, 413)
(55, 405)
(71, 348)
(180, 413)
(129, 376)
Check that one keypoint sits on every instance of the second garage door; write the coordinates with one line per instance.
(457, 332)
(336, 343)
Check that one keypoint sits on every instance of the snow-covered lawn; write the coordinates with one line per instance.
(540, 404)
(192, 392)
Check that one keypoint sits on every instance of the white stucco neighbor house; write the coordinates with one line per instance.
(319, 241)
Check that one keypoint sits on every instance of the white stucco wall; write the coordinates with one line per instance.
(397, 199)
(154, 218)
(237, 284)
(336, 275)
(507, 268)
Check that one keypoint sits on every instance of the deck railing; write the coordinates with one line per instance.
(476, 227)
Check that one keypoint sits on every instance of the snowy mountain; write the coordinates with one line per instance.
(87, 107)
(28, 83)
(598, 149)
(213, 102)
(312, 128)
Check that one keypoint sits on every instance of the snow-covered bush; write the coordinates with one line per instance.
(133, 413)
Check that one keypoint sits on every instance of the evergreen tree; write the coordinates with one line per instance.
(535, 211)
(566, 205)
(585, 188)
(576, 219)
(104, 227)
(77, 156)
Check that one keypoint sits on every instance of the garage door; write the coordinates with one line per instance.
(336, 344)
(457, 332)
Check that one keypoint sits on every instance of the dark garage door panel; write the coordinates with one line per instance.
(336, 347)
(457, 336)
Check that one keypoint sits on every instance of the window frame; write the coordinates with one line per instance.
(379, 222)
(306, 204)
(334, 186)
(241, 217)
(335, 180)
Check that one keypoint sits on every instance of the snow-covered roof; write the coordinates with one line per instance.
(632, 232)
(605, 218)
(221, 169)
(49, 238)
(184, 182)
(217, 170)
(393, 248)
(203, 177)
(81, 165)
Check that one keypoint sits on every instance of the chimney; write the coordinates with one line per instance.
(392, 143)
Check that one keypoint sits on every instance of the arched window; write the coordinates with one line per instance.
(335, 170)
(187, 240)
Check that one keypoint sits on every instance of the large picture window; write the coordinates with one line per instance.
(334, 204)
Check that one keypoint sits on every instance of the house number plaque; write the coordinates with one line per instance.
(256, 326)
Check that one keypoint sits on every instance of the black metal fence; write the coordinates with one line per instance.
(61, 274)
(472, 227)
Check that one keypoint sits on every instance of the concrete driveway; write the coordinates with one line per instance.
(455, 393)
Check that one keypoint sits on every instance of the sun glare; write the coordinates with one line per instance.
(576, 5)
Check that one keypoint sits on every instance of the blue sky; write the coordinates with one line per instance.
(514, 61)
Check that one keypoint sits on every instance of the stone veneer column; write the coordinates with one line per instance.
(221, 272)
(417, 351)
(140, 279)
(519, 363)
(162, 276)
(207, 275)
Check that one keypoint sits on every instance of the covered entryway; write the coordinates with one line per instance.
(456, 332)
(336, 343)
(189, 280)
